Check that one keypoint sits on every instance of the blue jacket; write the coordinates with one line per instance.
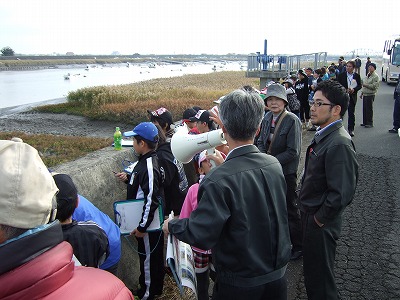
(86, 211)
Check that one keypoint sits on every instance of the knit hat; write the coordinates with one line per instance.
(27, 187)
(277, 90)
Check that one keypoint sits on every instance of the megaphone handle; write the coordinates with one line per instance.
(210, 152)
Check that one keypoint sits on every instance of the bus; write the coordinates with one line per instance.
(391, 60)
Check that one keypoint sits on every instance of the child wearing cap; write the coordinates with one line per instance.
(202, 258)
(88, 240)
(145, 182)
(163, 117)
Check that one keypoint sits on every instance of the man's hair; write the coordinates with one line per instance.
(335, 93)
(65, 208)
(241, 113)
(151, 145)
(352, 62)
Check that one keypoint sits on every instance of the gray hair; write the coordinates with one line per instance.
(241, 113)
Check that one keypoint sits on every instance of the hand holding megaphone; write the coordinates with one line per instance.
(184, 146)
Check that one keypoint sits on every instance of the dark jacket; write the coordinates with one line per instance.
(330, 175)
(302, 90)
(89, 241)
(342, 79)
(242, 216)
(287, 143)
(39, 266)
(175, 182)
(147, 186)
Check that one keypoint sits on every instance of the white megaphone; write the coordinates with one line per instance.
(184, 146)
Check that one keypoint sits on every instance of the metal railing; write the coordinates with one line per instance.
(285, 63)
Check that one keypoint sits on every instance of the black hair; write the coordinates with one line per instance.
(151, 145)
(65, 208)
(160, 121)
(335, 93)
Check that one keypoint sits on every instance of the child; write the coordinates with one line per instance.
(202, 258)
(145, 182)
(88, 240)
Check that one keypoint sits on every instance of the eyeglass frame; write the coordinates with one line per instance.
(317, 104)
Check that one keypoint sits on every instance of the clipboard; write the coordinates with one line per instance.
(128, 214)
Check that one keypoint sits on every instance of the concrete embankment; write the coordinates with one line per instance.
(95, 180)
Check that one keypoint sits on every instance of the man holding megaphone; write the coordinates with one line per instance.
(241, 213)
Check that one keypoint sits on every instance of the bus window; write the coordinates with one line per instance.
(396, 53)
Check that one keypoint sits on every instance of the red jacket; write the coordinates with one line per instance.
(53, 275)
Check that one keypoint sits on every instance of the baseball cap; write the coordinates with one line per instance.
(27, 187)
(200, 157)
(276, 90)
(146, 130)
(163, 114)
(187, 114)
(202, 115)
(67, 188)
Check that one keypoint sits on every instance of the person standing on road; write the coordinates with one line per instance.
(328, 186)
(280, 136)
(396, 109)
(367, 65)
(352, 83)
(241, 214)
(358, 64)
(370, 86)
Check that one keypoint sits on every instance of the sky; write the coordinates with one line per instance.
(196, 27)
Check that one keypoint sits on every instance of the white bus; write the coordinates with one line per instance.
(391, 60)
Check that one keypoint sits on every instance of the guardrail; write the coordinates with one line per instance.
(284, 63)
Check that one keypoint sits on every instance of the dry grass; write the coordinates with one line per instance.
(129, 103)
(55, 149)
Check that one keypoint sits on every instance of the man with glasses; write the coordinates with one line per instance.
(328, 186)
(352, 83)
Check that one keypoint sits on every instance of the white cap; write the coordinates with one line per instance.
(27, 187)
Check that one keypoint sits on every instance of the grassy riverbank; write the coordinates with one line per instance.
(55, 150)
(129, 103)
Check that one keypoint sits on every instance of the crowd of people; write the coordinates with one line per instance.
(243, 209)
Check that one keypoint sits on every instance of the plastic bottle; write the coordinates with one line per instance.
(117, 139)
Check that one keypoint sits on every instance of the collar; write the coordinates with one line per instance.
(29, 245)
(321, 133)
(241, 150)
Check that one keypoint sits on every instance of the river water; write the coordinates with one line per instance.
(18, 88)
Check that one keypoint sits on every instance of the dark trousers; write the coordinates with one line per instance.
(319, 248)
(351, 112)
(294, 219)
(368, 109)
(276, 290)
(304, 109)
(152, 271)
(396, 113)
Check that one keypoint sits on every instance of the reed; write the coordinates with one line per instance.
(55, 150)
(129, 103)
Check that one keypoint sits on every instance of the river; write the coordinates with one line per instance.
(19, 88)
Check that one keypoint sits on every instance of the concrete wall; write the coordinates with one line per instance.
(95, 180)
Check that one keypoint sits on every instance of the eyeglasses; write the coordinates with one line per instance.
(319, 104)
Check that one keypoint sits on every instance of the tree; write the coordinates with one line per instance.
(7, 51)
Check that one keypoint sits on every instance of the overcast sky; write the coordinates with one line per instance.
(195, 27)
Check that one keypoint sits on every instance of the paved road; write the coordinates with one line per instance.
(368, 254)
